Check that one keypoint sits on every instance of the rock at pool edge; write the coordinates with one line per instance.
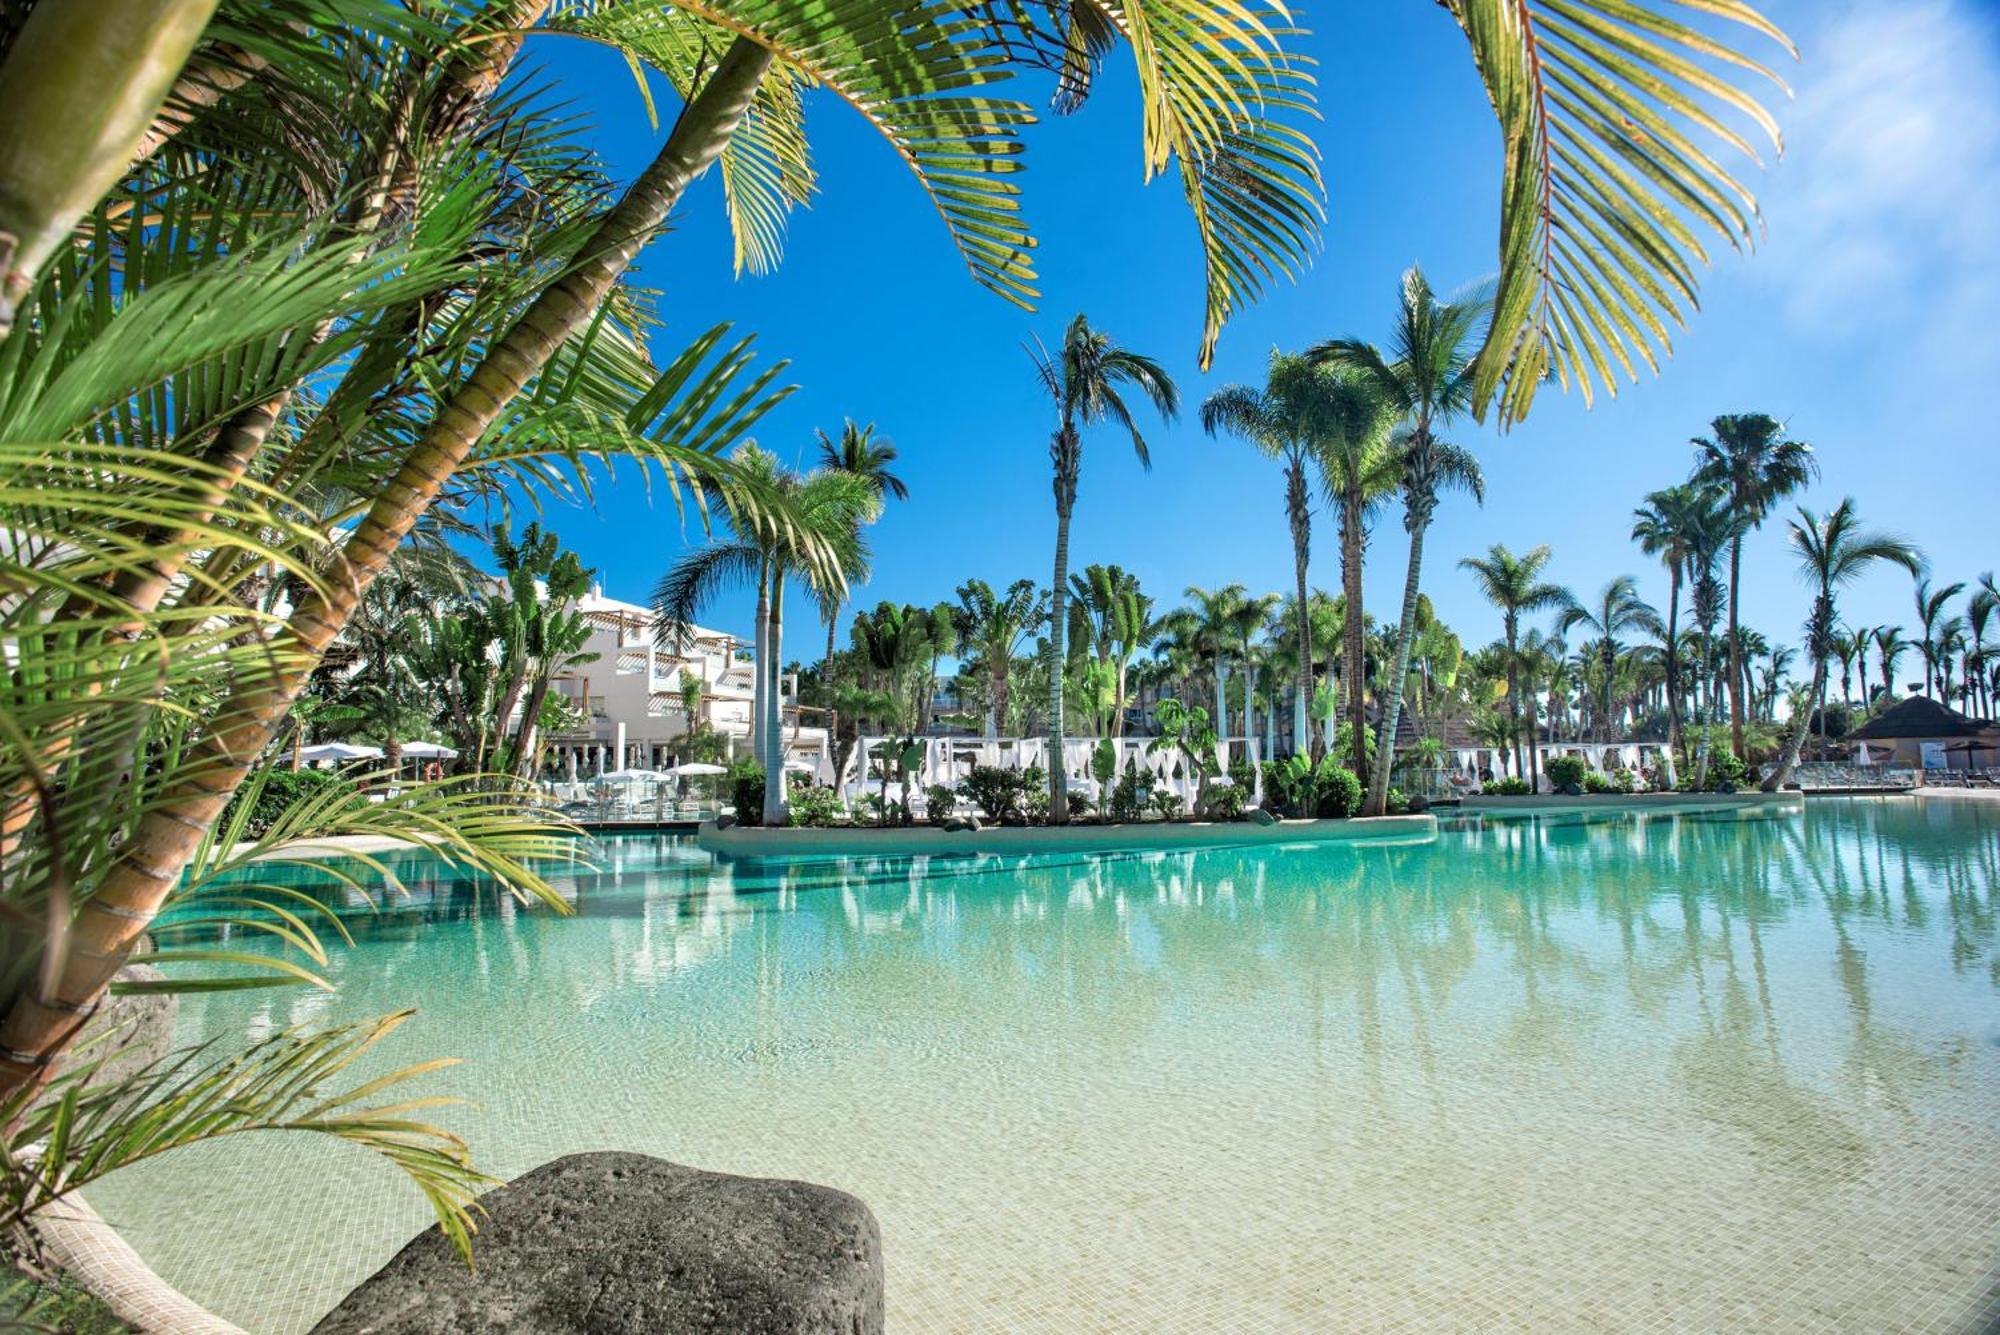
(614, 1243)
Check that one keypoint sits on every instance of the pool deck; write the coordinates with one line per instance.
(900, 841)
(1680, 803)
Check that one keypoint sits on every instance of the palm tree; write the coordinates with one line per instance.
(1296, 417)
(830, 508)
(1616, 610)
(860, 453)
(991, 630)
(1890, 646)
(1214, 631)
(1931, 605)
(1534, 666)
(1666, 527)
(1359, 470)
(1756, 470)
(1513, 584)
(1084, 378)
(1979, 610)
(1832, 552)
(1427, 381)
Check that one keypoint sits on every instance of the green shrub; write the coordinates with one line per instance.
(1397, 803)
(277, 791)
(815, 807)
(1507, 787)
(745, 782)
(1079, 805)
(1566, 770)
(1328, 790)
(1126, 804)
(1034, 806)
(1339, 790)
(1724, 768)
(1168, 803)
(997, 791)
(1619, 781)
(1225, 803)
(939, 798)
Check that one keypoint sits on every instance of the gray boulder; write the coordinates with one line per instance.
(613, 1243)
(1259, 816)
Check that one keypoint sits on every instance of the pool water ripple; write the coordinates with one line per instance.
(1667, 1073)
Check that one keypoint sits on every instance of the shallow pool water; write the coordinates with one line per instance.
(1675, 1072)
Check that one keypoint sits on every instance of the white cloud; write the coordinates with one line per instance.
(1886, 206)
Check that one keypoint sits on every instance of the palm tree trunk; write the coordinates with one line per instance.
(772, 668)
(1353, 663)
(1378, 789)
(1222, 712)
(1788, 760)
(1674, 657)
(1735, 650)
(760, 652)
(1298, 508)
(83, 82)
(1058, 623)
(1249, 719)
(1512, 629)
(43, 1020)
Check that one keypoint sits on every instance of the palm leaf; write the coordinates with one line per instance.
(88, 1128)
(1607, 192)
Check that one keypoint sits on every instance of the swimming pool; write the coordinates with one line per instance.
(1535, 1074)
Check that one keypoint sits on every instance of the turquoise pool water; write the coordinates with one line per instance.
(1704, 1074)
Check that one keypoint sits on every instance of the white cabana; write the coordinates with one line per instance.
(632, 776)
(312, 755)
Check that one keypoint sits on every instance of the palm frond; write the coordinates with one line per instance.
(88, 1128)
(1606, 192)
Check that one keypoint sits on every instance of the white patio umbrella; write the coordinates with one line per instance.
(428, 751)
(800, 765)
(339, 751)
(632, 776)
(694, 769)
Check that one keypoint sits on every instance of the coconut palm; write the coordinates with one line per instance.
(1979, 610)
(1890, 646)
(1514, 585)
(1086, 378)
(1931, 605)
(991, 630)
(830, 507)
(1618, 609)
(859, 452)
(1215, 630)
(1666, 527)
(1299, 415)
(1427, 379)
(1832, 552)
(1359, 470)
(1755, 469)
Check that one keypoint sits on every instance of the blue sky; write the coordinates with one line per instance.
(1865, 321)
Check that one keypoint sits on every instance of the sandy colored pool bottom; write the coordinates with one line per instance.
(1672, 1074)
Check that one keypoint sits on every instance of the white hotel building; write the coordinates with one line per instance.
(630, 697)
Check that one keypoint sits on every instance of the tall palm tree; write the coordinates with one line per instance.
(1112, 617)
(1832, 552)
(1746, 458)
(1514, 585)
(1617, 610)
(1979, 611)
(1359, 470)
(862, 454)
(1246, 628)
(831, 509)
(1295, 418)
(1214, 632)
(1890, 646)
(991, 630)
(1427, 379)
(1086, 378)
(1931, 605)
(1666, 526)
